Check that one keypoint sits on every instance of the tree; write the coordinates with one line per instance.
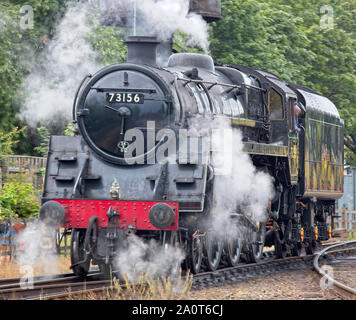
(18, 48)
(261, 35)
(18, 200)
(285, 37)
(44, 135)
(14, 49)
(8, 141)
(297, 41)
(330, 28)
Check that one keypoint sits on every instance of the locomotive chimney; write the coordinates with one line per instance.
(142, 50)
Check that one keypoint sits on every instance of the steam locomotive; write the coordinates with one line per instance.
(103, 195)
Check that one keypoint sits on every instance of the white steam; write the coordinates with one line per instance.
(37, 248)
(157, 17)
(166, 16)
(148, 258)
(69, 57)
(238, 186)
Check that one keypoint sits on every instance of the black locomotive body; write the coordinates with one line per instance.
(93, 188)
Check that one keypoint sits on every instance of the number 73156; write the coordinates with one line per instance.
(118, 97)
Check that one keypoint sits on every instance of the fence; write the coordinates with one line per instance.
(345, 220)
(63, 241)
(25, 169)
(24, 166)
(10, 247)
(8, 231)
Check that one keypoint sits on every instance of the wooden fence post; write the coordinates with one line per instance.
(344, 218)
(4, 171)
(10, 239)
(65, 242)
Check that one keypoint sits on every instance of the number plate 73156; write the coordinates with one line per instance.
(118, 97)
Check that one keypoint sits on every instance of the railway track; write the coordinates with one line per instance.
(341, 256)
(13, 282)
(244, 272)
(61, 286)
(50, 287)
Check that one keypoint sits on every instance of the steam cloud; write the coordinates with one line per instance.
(238, 186)
(37, 241)
(69, 57)
(162, 18)
(142, 257)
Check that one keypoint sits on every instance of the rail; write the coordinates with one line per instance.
(324, 274)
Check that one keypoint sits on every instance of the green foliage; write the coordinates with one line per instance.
(46, 13)
(18, 200)
(44, 135)
(18, 49)
(8, 141)
(351, 236)
(180, 43)
(42, 171)
(286, 37)
(259, 34)
(331, 70)
(15, 52)
(69, 131)
(109, 43)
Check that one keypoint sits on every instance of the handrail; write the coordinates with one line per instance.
(215, 83)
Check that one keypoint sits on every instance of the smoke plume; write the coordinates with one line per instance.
(37, 248)
(148, 257)
(66, 60)
(238, 186)
(69, 56)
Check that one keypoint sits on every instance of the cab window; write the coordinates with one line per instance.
(275, 103)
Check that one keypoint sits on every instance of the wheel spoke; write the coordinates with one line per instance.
(233, 250)
(256, 248)
(213, 251)
(195, 254)
(80, 266)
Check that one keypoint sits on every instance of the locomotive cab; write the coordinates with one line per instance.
(280, 97)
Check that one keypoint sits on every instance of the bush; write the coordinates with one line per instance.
(44, 135)
(8, 141)
(19, 200)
